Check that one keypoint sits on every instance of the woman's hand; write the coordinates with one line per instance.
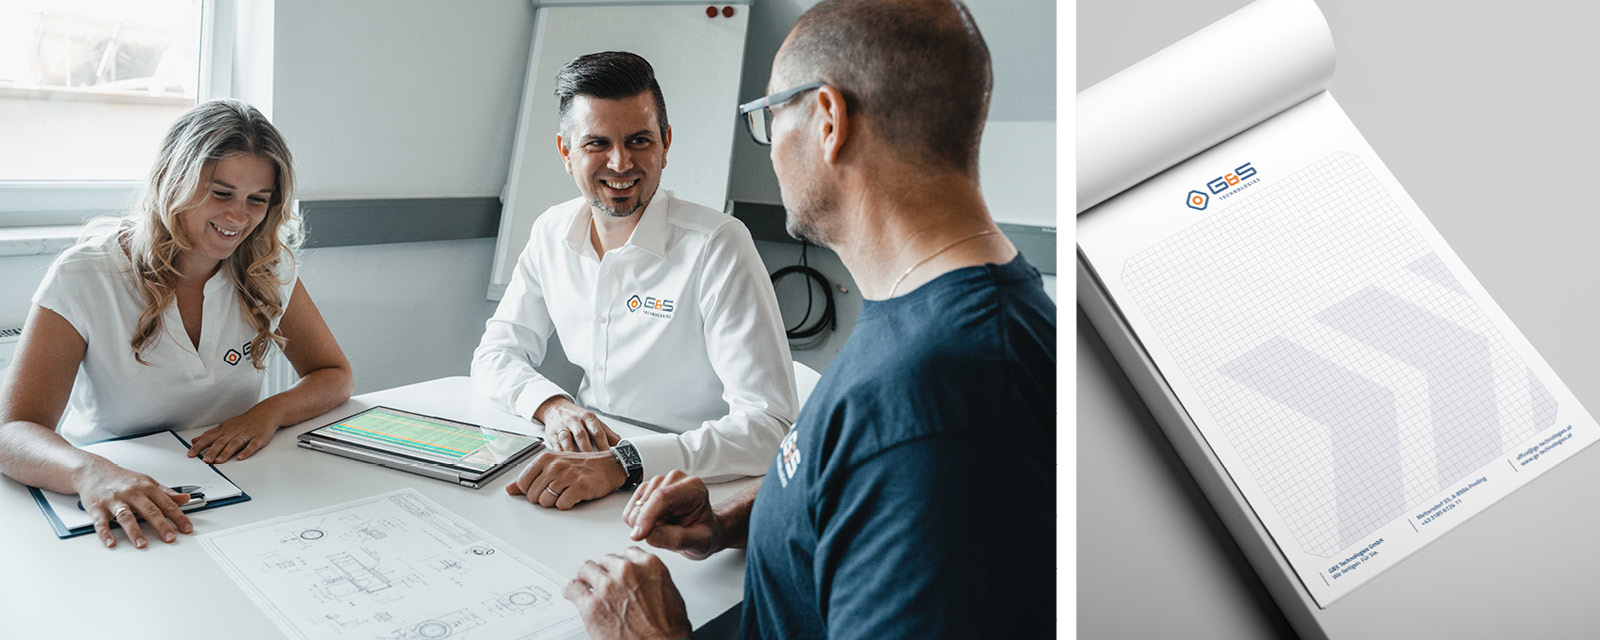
(111, 493)
(243, 434)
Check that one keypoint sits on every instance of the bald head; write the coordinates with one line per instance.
(918, 69)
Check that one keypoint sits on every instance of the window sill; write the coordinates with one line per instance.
(37, 241)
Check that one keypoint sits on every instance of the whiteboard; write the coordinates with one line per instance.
(697, 61)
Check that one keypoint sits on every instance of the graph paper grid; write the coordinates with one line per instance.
(1335, 352)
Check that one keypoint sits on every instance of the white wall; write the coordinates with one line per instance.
(393, 99)
(400, 98)
(1017, 168)
(406, 312)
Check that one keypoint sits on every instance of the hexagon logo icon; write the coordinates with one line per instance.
(1198, 200)
(633, 304)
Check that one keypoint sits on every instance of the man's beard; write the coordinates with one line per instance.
(802, 228)
(612, 210)
(807, 205)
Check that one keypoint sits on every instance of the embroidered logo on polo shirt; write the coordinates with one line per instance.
(651, 306)
(788, 456)
(234, 356)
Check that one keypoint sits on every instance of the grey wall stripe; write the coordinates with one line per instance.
(344, 223)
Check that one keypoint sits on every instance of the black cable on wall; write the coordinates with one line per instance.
(807, 329)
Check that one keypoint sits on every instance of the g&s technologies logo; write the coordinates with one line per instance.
(234, 356)
(788, 456)
(1223, 187)
(651, 306)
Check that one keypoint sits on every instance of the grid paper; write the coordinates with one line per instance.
(1339, 356)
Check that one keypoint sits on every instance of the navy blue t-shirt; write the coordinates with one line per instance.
(915, 496)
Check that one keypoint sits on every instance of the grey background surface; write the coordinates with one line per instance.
(1485, 114)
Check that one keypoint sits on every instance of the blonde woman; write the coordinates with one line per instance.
(165, 320)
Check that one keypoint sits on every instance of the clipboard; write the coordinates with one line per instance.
(62, 531)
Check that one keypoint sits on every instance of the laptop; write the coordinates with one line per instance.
(439, 448)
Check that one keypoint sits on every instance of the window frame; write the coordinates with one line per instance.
(37, 203)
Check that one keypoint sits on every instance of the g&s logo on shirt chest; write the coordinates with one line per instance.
(235, 356)
(650, 306)
(788, 456)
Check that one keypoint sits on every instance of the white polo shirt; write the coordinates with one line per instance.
(678, 328)
(182, 387)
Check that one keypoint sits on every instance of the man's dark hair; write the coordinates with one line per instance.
(609, 75)
(919, 68)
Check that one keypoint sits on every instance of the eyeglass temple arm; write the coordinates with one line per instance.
(778, 98)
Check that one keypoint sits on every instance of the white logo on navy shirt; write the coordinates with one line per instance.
(788, 457)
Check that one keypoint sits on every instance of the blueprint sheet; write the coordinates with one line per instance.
(392, 566)
(1354, 379)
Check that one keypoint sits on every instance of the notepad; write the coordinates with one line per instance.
(162, 455)
(1341, 367)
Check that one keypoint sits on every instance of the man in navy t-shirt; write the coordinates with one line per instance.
(915, 495)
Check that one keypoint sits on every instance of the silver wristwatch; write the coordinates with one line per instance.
(628, 456)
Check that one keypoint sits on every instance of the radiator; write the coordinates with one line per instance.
(280, 374)
(8, 347)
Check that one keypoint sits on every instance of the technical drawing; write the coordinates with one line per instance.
(276, 561)
(520, 602)
(395, 566)
(454, 624)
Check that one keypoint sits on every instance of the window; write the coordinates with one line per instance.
(87, 89)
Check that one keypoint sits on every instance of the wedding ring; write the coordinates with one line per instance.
(547, 490)
(121, 509)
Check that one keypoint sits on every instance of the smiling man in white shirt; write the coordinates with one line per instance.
(663, 303)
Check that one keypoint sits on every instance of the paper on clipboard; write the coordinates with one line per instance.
(163, 456)
(1358, 385)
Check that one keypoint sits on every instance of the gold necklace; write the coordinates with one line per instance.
(897, 281)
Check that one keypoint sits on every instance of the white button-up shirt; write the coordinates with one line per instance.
(678, 328)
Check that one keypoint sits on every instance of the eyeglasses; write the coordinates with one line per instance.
(758, 113)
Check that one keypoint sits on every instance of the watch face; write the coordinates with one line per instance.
(628, 457)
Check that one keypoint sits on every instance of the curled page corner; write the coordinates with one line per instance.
(1202, 90)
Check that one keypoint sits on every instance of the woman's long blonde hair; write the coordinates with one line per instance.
(154, 237)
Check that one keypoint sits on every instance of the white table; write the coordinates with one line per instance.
(77, 588)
